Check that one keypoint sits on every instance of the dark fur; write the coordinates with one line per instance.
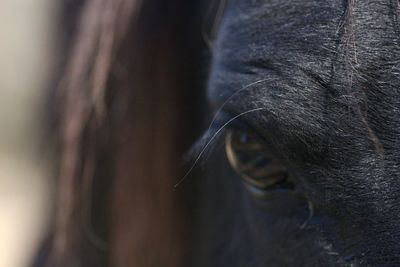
(331, 99)
(327, 99)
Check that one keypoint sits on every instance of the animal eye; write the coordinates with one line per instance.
(251, 158)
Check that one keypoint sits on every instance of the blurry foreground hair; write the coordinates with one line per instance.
(126, 106)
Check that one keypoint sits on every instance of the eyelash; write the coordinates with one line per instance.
(275, 174)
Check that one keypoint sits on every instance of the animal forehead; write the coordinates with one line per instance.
(306, 32)
(263, 24)
(272, 45)
(288, 54)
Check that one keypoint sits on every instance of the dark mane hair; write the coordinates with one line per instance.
(130, 88)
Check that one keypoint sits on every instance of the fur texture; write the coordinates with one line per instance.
(317, 80)
(329, 80)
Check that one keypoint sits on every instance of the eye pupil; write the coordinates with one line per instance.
(251, 158)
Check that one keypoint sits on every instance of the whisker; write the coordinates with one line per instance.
(211, 140)
(219, 110)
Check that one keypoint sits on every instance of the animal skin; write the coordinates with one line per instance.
(322, 79)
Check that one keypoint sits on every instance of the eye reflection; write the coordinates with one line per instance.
(250, 157)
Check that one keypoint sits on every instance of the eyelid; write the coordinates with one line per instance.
(207, 135)
(224, 116)
(252, 159)
(244, 125)
(222, 121)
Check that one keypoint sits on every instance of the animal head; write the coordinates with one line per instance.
(307, 93)
(301, 160)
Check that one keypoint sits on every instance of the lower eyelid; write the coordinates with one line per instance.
(264, 176)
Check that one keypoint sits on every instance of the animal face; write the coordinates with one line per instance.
(307, 94)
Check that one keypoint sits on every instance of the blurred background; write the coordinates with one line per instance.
(26, 52)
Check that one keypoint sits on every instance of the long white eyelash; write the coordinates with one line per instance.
(210, 140)
(219, 110)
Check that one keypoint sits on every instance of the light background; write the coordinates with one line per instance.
(26, 45)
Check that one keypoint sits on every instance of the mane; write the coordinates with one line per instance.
(129, 90)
